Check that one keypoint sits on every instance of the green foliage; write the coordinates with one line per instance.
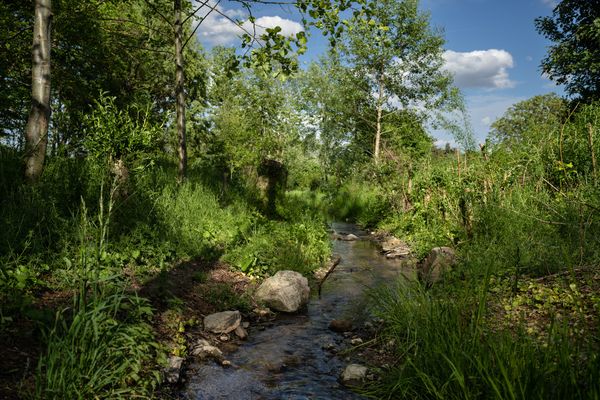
(104, 347)
(359, 202)
(574, 58)
(302, 245)
(225, 298)
(196, 222)
(112, 132)
(526, 123)
(444, 351)
(97, 354)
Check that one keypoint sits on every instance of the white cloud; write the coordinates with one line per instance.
(288, 27)
(550, 3)
(486, 120)
(224, 26)
(480, 68)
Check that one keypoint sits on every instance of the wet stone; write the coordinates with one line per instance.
(222, 322)
(340, 325)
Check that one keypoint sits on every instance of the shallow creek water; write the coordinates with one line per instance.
(287, 360)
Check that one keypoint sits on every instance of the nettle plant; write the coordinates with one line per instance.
(118, 134)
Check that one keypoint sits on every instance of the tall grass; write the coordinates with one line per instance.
(102, 347)
(445, 352)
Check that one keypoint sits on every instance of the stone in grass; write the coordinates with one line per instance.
(173, 370)
(285, 291)
(222, 322)
(354, 374)
(439, 260)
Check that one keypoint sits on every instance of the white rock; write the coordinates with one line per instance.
(222, 322)
(173, 369)
(285, 291)
(354, 373)
(203, 349)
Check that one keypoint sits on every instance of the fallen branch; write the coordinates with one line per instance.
(334, 264)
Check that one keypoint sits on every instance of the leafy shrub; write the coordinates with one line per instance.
(299, 246)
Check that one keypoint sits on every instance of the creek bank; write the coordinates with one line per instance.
(304, 353)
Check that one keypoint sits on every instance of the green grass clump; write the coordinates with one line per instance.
(445, 350)
(197, 224)
(103, 351)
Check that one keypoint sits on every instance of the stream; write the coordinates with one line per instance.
(287, 360)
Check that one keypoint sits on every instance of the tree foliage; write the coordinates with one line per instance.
(520, 122)
(574, 58)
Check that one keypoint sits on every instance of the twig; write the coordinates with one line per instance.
(336, 261)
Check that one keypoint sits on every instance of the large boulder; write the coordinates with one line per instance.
(222, 322)
(438, 261)
(285, 291)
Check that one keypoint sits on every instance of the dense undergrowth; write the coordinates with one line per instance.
(519, 316)
(81, 230)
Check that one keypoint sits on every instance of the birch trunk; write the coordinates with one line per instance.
(378, 122)
(36, 131)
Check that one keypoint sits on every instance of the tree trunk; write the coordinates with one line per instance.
(36, 131)
(379, 117)
(179, 92)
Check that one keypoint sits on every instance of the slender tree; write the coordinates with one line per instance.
(179, 91)
(400, 57)
(36, 131)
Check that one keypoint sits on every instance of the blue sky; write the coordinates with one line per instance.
(492, 48)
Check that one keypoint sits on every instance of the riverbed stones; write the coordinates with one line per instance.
(340, 325)
(354, 374)
(393, 247)
(438, 261)
(222, 322)
(286, 291)
(203, 349)
(240, 332)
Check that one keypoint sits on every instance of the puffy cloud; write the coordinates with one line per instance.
(220, 26)
(480, 68)
(288, 27)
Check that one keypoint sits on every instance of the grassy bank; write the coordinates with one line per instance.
(79, 245)
(519, 316)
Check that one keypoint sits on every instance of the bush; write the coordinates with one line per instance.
(299, 246)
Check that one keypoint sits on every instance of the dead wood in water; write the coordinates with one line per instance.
(334, 264)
